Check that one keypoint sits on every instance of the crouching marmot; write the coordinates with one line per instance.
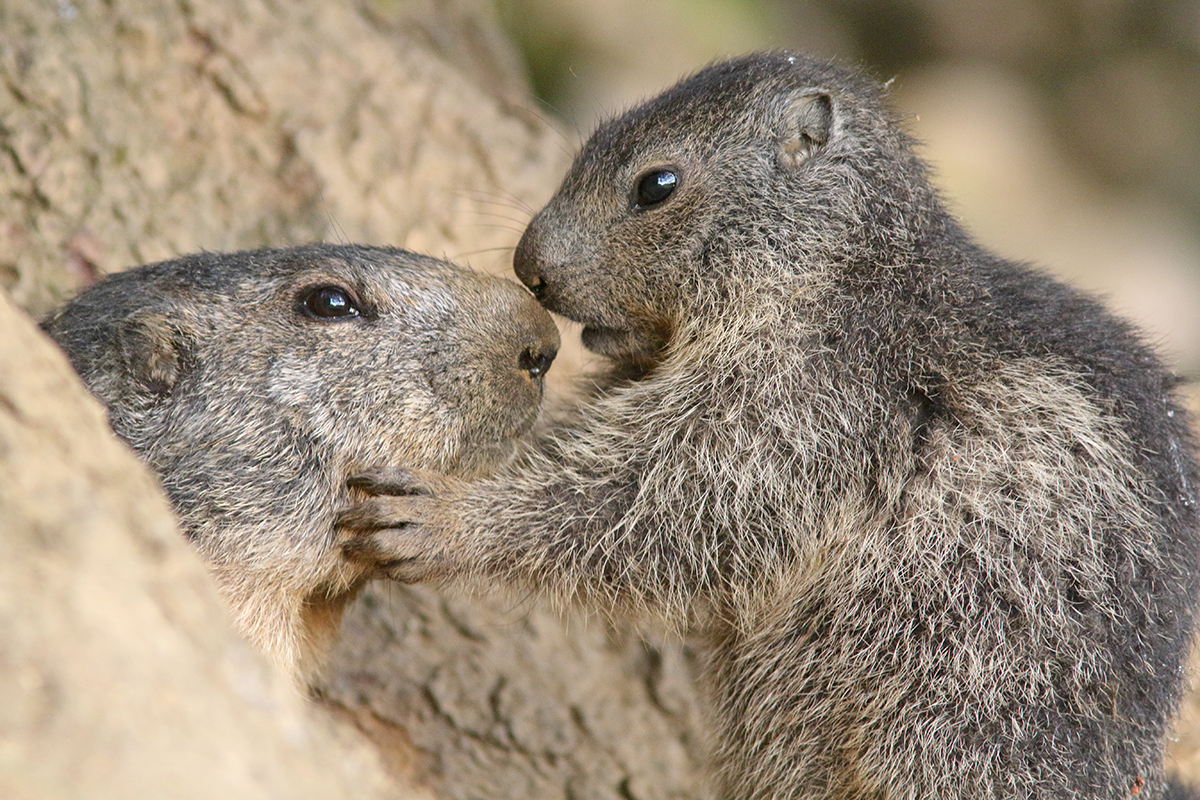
(931, 514)
(254, 383)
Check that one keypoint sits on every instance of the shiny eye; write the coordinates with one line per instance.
(328, 302)
(654, 187)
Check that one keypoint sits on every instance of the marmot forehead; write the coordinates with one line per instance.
(231, 273)
(220, 285)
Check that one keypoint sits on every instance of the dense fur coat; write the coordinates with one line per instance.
(930, 513)
(255, 383)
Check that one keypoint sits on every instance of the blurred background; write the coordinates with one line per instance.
(1063, 132)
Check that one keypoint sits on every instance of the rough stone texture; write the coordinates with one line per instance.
(140, 130)
(133, 130)
(120, 675)
(508, 701)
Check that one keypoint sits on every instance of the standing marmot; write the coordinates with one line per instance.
(254, 383)
(931, 514)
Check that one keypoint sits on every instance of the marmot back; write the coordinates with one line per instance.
(931, 514)
(254, 383)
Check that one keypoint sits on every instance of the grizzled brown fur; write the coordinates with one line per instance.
(255, 383)
(930, 514)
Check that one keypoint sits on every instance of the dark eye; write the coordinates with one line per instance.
(654, 187)
(328, 302)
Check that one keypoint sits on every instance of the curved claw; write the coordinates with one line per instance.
(409, 570)
(370, 546)
(403, 527)
(394, 481)
(369, 515)
(402, 553)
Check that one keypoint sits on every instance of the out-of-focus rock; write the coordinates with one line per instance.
(992, 152)
(590, 60)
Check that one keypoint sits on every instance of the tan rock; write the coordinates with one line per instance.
(120, 674)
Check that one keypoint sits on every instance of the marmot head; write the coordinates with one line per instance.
(255, 383)
(770, 158)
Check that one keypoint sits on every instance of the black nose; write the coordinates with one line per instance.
(526, 262)
(538, 287)
(536, 360)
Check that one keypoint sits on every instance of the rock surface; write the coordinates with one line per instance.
(136, 130)
(120, 673)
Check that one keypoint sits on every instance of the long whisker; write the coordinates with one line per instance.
(339, 233)
(469, 253)
(504, 199)
(523, 221)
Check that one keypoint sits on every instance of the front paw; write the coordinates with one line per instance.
(403, 531)
(401, 481)
(401, 554)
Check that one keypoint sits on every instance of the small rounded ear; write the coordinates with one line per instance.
(153, 350)
(807, 127)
